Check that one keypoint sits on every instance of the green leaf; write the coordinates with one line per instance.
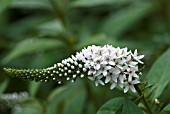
(30, 46)
(111, 106)
(131, 108)
(32, 4)
(52, 27)
(26, 110)
(4, 4)
(114, 106)
(3, 85)
(26, 26)
(33, 88)
(68, 99)
(159, 73)
(165, 109)
(120, 22)
(92, 3)
(29, 106)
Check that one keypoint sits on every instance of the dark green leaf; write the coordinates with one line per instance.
(67, 100)
(33, 88)
(4, 4)
(3, 85)
(111, 106)
(92, 3)
(26, 110)
(118, 23)
(53, 27)
(130, 108)
(32, 4)
(26, 25)
(32, 45)
(165, 109)
(159, 73)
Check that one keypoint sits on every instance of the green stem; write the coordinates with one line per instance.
(59, 13)
(143, 99)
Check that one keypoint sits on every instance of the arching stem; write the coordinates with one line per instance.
(141, 94)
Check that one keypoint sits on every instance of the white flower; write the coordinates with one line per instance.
(119, 63)
(122, 77)
(131, 73)
(130, 85)
(91, 70)
(100, 52)
(129, 62)
(112, 74)
(108, 49)
(137, 57)
(108, 59)
(97, 80)
(97, 62)
(113, 85)
(103, 70)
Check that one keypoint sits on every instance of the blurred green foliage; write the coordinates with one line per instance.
(39, 33)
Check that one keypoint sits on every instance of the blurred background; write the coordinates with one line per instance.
(39, 33)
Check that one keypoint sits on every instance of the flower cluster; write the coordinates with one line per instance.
(115, 65)
(101, 64)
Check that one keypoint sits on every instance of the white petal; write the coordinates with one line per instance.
(97, 67)
(119, 67)
(135, 68)
(126, 88)
(111, 63)
(101, 82)
(116, 71)
(133, 63)
(130, 78)
(140, 56)
(90, 72)
(135, 52)
(113, 85)
(108, 67)
(128, 57)
(139, 61)
(86, 65)
(96, 83)
(104, 72)
(98, 72)
(132, 88)
(108, 78)
(121, 78)
(135, 81)
(135, 75)
(121, 61)
(99, 76)
(121, 85)
(91, 78)
(104, 62)
(114, 78)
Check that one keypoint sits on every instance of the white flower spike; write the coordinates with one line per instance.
(101, 64)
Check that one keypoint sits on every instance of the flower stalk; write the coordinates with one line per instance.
(142, 96)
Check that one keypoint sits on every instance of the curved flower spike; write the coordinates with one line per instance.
(101, 64)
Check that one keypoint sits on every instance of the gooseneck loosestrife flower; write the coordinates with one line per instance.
(101, 64)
